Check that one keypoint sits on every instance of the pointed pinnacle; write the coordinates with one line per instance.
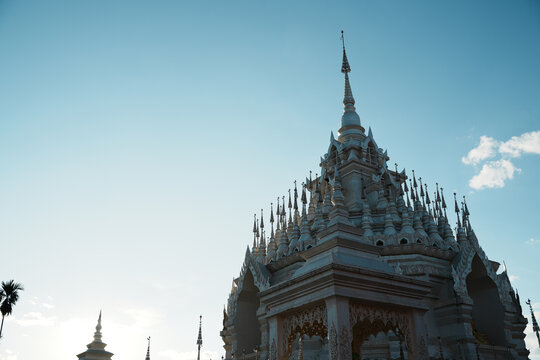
(345, 67)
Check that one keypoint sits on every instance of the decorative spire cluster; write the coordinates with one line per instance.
(399, 212)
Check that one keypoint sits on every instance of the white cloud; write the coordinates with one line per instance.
(485, 150)
(527, 143)
(34, 319)
(532, 241)
(37, 302)
(513, 278)
(493, 175)
(189, 355)
(8, 355)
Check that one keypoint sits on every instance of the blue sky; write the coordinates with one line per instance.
(138, 138)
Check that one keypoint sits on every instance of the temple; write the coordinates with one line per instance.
(360, 261)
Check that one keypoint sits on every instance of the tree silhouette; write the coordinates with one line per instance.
(9, 294)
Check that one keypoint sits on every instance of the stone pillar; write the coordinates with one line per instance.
(264, 345)
(234, 345)
(228, 340)
(418, 337)
(339, 328)
(273, 339)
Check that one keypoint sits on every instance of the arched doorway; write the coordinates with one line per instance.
(310, 324)
(377, 340)
(487, 311)
(246, 324)
(313, 347)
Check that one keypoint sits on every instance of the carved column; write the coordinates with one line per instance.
(464, 326)
(264, 344)
(339, 328)
(419, 336)
(273, 338)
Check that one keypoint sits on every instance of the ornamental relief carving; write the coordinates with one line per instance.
(462, 268)
(332, 343)
(505, 286)
(260, 280)
(422, 349)
(390, 319)
(273, 350)
(345, 344)
(418, 269)
(311, 322)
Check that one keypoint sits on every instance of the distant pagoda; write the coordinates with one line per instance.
(96, 349)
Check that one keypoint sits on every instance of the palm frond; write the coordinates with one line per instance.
(9, 293)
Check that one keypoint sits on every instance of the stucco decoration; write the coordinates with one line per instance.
(505, 286)
(463, 264)
(261, 278)
(422, 349)
(332, 343)
(334, 146)
(273, 350)
(461, 268)
(420, 269)
(345, 344)
(311, 322)
(391, 319)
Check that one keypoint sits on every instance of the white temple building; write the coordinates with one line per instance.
(361, 262)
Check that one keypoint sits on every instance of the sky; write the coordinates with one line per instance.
(137, 139)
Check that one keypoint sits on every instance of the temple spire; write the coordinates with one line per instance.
(97, 334)
(199, 339)
(345, 67)
(350, 121)
(148, 349)
(96, 349)
(272, 220)
(536, 328)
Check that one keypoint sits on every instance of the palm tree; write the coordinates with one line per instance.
(9, 293)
